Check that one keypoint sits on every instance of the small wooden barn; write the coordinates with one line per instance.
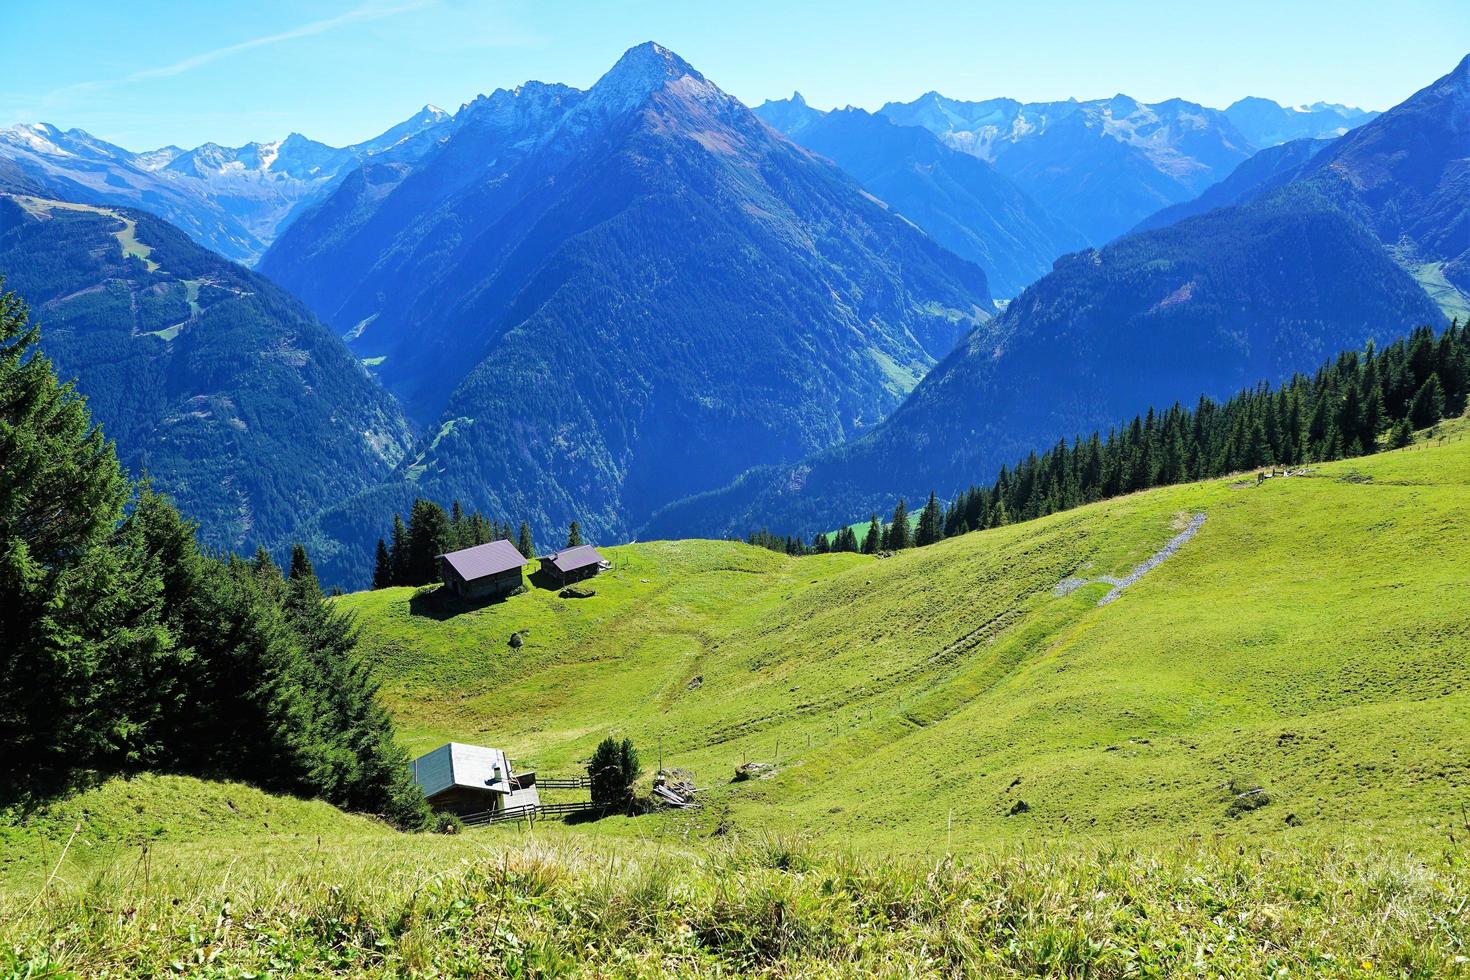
(484, 571)
(573, 564)
(464, 779)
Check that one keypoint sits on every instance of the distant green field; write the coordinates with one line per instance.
(1311, 642)
(1450, 299)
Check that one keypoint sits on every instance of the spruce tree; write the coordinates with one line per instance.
(382, 567)
(899, 537)
(525, 545)
(1401, 435)
(874, 538)
(398, 551)
(931, 523)
(574, 534)
(429, 535)
(1427, 407)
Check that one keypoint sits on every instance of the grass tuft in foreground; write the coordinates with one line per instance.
(379, 904)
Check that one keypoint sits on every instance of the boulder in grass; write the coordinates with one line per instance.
(577, 592)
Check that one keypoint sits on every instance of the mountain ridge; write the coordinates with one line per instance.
(599, 299)
(233, 200)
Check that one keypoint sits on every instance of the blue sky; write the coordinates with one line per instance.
(144, 73)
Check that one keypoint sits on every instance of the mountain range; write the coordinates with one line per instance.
(598, 302)
(233, 200)
(1104, 165)
(652, 310)
(1314, 255)
(214, 382)
(959, 200)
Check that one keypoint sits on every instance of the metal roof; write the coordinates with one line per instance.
(485, 559)
(457, 764)
(571, 559)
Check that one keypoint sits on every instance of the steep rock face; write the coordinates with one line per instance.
(1101, 166)
(214, 382)
(958, 199)
(233, 200)
(600, 301)
(1207, 306)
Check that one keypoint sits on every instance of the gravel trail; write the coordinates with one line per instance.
(1069, 585)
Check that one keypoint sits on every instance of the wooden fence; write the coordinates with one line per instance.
(564, 782)
(529, 812)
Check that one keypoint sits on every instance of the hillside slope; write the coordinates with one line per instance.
(1209, 306)
(1308, 641)
(213, 381)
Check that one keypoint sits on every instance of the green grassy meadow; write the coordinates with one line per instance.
(1256, 762)
(1310, 641)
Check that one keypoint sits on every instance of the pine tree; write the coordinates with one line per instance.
(898, 537)
(526, 546)
(1401, 435)
(398, 551)
(1428, 405)
(429, 535)
(874, 538)
(574, 534)
(931, 523)
(382, 567)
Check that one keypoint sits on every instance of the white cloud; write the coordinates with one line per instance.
(368, 11)
(375, 10)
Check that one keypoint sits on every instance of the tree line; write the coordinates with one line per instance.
(1354, 405)
(409, 556)
(127, 648)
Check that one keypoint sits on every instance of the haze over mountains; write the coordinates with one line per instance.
(958, 199)
(1104, 165)
(234, 200)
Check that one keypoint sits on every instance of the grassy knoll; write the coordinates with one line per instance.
(1311, 641)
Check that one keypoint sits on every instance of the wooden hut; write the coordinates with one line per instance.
(464, 779)
(573, 564)
(484, 571)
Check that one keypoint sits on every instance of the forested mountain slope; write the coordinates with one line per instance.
(599, 302)
(213, 381)
(1209, 306)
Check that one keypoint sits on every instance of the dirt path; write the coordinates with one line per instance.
(1069, 585)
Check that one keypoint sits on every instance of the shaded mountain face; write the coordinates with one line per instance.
(1208, 306)
(1266, 123)
(958, 199)
(214, 382)
(233, 200)
(1406, 175)
(604, 300)
(1269, 169)
(1101, 166)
